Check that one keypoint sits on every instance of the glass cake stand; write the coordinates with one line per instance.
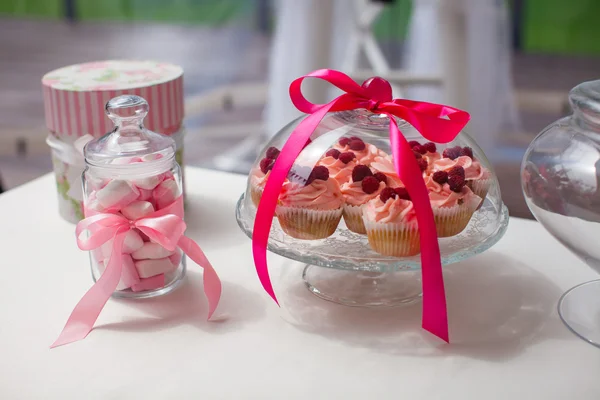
(343, 269)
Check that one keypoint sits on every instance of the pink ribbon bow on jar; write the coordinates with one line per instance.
(165, 227)
(437, 123)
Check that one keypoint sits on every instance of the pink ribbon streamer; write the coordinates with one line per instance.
(165, 227)
(437, 123)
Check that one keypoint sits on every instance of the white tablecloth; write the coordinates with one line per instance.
(508, 342)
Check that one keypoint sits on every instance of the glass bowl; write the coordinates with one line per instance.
(343, 267)
(560, 177)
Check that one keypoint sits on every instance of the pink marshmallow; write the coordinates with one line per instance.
(165, 193)
(148, 183)
(175, 257)
(137, 210)
(148, 268)
(133, 241)
(129, 275)
(152, 251)
(145, 194)
(155, 282)
(117, 194)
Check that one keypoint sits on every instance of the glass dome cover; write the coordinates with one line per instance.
(355, 186)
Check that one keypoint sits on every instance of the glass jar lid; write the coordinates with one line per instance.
(129, 142)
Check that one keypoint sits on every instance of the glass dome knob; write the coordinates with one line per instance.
(378, 89)
(127, 108)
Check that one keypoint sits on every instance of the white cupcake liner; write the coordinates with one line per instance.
(480, 187)
(450, 221)
(305, 223)
(354, 219)
(396, 240)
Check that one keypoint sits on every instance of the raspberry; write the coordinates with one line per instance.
(417, 155)
(380, 176)
(387, 193)
(370, 184)
(413, 143)
(419, 149)
(457, 170)
(266, 164)
(456, 183)
(422, 164)
(402, 193)
(452, 152)
(430, 147)
(344, 141)
(333, 153)
(467, 151)
(440, 177)
(355, 138)
(272, 152)
(347, 157)
(357, 145)
(360, 172)
(319, 172)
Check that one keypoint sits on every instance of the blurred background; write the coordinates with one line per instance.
(510, 63)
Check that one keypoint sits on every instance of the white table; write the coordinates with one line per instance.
(508, 340)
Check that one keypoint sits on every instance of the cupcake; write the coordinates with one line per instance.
(478, 178)
(339, 164)
(391, 223)
(364, 186)
(310, 208)
(259, 175)
(365, 152)
(452, 201)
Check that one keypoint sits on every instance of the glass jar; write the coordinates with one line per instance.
(560, 177)
(132, 172)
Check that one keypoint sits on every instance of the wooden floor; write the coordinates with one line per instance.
(212, 57)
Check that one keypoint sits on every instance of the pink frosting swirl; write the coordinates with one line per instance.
(431, 158)
(366, 156)
(386, 167)
(355, 196)
(473, 168)
(393, 211)
(444, 197)
(339, 171)
(319, 195)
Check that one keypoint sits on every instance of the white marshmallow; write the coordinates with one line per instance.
(148, 183)
(129, 275)
(148, 268)
(137, 210)
(151, 251)
(117, 194)
(133, 241)
(155, 282)
(165, 193)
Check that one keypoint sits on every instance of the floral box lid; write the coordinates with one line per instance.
(74, 96)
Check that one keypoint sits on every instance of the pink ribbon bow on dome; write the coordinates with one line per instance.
(165, 227)
(437, 123)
